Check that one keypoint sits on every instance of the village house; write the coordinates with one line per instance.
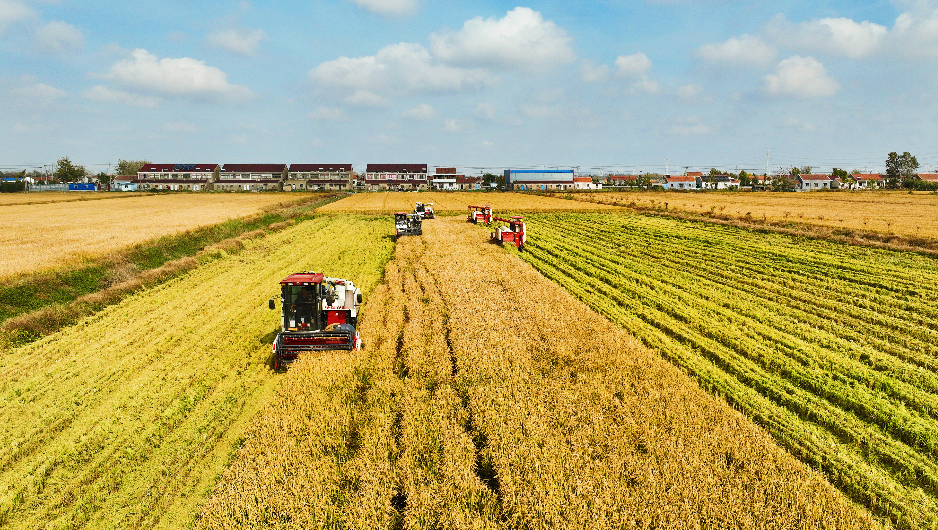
(445, 178)
(468, 183)
(813, 182)
(585, 183)
(680, 182)
(124, 183)
(331, 177)
(176, 177)
(539, 179)
(622, 180)
(715, 182)
(402, 177)
(251, 177)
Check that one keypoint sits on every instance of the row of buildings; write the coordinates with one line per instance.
(809, 182)
(305, 177)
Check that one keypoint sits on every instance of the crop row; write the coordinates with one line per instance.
(777, 328)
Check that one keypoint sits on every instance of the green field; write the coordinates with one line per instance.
(831, 348)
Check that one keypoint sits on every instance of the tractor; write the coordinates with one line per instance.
(407, 224)
(316, 313)
(480, 214)
(424, 210)
(515, 233)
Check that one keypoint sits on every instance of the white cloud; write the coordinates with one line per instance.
(521, 40)
(743, 51)
(184, 77)
(103, 93)
(58, 37)
(389, 7)
(238, 41)
(365, 98)
(485, 111)
(590, 72)
(328, 114)
(452, 125)
(38, 92)
(689, 126)
(399, 69)
(915, 33)
(836, 36)
(634, 65)
(692, 94)
(800, 77)
(10, 12)
(420, 112)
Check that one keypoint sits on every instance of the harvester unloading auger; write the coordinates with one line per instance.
(515, 233)
(317, 313)
(480, 214)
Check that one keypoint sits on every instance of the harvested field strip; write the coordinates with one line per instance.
(126, 419)
(489, 397)
(456, 202)
(44, 197)
(45, 236)
(830, 347)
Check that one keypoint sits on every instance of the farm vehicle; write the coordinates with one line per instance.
(480, 214)
(514, 233)
(316, 313)
(424, 210)
(407, 224)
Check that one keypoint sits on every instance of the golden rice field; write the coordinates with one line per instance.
(888, 212)
(42, 236)
(489, 397)
(7, 199)
(127, 419)
(455, 201)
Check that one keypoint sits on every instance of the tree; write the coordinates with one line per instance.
(844, 177)
(65, 171)
(900, 169)
(783, 183)
(744, 179)
(104, 179)
(130, 168)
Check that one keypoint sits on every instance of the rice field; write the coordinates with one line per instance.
(55, 234)
(127, 419)
(884, 211)
(7, 199)
(455, 202)
(489, 397)
(833, 349)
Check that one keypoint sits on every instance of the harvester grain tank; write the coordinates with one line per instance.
(407, 224)
(424, 210)
(515, 233)
(480, 214)
(316, 313)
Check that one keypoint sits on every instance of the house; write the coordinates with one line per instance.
(124, 183)
(539, 179)
(176, 177)
(332, 177)
(251, 177)
(929, 177)
(622, 180)
(400, 177)
(585, 183)
(813, 182)
(445, 178)
(715, 182)
(680, 182)
(82, 186)
(468, 183)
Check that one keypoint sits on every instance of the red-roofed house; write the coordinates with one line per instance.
(680, 182)
(622, 180)
(468, 183)
(251, 177)
(585, 183)
(176, 177)
(396, 177)
(929, 177)
(813, 182)
(301, 177)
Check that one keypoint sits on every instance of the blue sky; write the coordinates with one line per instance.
(607, 86)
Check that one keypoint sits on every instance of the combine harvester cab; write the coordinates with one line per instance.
(515, 233)
(316, 313)
(407, 224)
(480, 214)
(424, 210)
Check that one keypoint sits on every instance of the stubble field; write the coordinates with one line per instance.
(456, 202)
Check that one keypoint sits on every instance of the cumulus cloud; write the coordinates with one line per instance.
(10, 12)
(742, 51)
(835, 36)
(238, 41)
(185, 77)
(915, 33)
(635, 67)
(800, 77)
(103, 93)
(389, 7)
(58, 37)
(37, 92)
(521, 40)
(420, 112)
(590, 72)
(396, 70)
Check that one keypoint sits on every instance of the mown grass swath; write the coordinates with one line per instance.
(488, 397)
(127, 418)
(832, 348)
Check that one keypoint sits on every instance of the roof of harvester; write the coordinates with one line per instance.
(302, 278)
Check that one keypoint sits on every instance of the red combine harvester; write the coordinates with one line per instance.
(514, 233)
(480, 214)
(317, 313)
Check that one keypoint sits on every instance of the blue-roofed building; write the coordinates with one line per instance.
(539, 179)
